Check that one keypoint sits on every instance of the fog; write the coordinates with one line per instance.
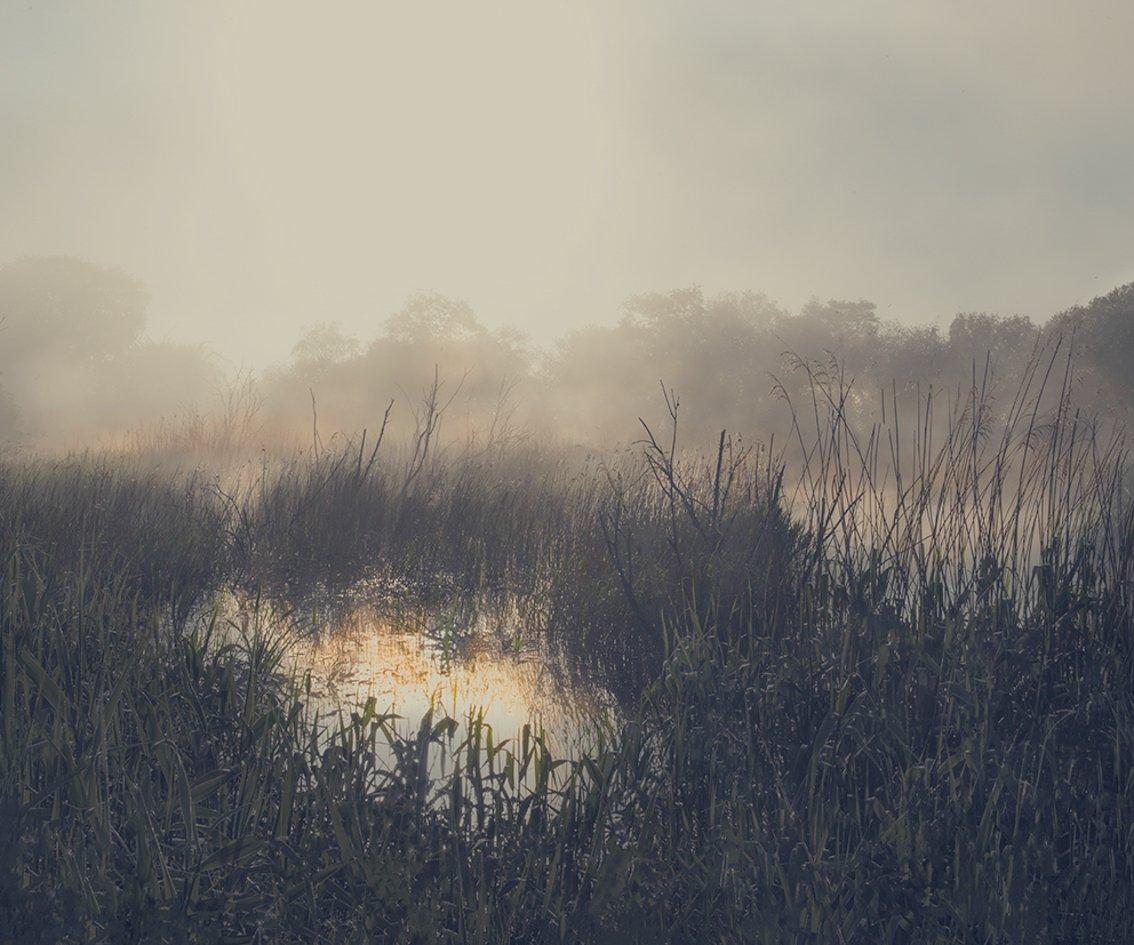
(79, 369)
(331, 201)
(262, 167)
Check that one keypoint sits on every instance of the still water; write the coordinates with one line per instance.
(458, 662)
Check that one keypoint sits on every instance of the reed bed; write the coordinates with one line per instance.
(886, 697)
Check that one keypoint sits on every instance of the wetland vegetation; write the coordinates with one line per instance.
(639, 473)
(875, 687)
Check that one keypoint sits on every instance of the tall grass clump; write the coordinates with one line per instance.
(161, 534)
(937, 746)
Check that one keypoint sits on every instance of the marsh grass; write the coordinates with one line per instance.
(890, 704)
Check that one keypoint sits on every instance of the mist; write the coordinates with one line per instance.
(650, 472)
(263, 168)
(79, 368)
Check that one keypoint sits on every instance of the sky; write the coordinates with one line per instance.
(266, 166)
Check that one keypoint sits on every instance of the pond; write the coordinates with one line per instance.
(473, 661)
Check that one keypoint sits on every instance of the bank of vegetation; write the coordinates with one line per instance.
(879, 688)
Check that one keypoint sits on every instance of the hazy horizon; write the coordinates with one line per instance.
(264, 167)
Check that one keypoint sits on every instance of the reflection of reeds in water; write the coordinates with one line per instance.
(413, 662)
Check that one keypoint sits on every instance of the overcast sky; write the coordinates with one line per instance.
(266, 166)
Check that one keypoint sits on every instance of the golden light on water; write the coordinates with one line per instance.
(409, 669)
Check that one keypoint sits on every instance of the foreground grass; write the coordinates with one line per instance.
(904, 716)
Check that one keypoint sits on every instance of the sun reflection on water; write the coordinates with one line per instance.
(411, 662)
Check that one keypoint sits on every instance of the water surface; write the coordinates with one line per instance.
(467, 662)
